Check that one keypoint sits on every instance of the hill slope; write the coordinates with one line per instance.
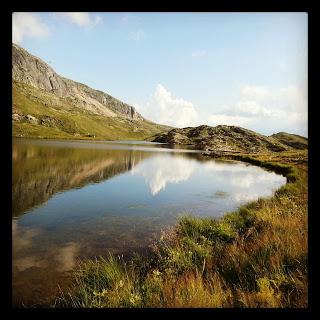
(292, 140)
(224, 138)
(50, 106)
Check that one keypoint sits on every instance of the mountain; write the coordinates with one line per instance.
(231, 139)
(46, 104)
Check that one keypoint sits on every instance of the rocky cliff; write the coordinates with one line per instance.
(31, 70)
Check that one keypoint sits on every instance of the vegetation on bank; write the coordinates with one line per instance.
(253, 257)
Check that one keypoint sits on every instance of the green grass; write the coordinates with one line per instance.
(253, 257)
(70, 122)
(292, 140)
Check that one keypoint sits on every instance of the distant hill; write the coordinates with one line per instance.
(231, 139)
(50, 106)
(292, 140)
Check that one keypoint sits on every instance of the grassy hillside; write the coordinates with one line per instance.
(292, 140)
(253, 257)
(59, 118)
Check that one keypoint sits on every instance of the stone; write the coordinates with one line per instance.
(31, 118)
(16, 117)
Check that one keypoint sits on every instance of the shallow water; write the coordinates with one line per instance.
(76, 199)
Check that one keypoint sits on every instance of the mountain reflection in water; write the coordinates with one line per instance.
(41, 171)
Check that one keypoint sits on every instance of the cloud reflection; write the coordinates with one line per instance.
(66, 256)
(22, 238)
(26, 253)
(160, 171)
(242, 176)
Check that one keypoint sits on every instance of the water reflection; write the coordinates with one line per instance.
(167, 169)
(24, 240)
(40, 171)
(74, 200)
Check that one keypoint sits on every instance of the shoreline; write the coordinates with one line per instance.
(170, 267)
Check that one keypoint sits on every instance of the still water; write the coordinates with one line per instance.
(74, 200)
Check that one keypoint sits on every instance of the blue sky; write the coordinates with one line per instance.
(183, 69)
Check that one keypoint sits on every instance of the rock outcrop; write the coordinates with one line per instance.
(31, 70)
(224, 138)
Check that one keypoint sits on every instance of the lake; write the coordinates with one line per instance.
(80, 199)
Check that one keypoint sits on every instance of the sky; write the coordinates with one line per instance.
(183, 69)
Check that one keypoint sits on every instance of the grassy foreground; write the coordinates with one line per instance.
(253, 257)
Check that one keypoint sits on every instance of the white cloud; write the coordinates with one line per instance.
(30, 24)
(251, 108)
(259, 108)
(198, 54)
(81, 19)
(287, 98)
(164, 108)
(27, 24)
(268, 110)
(296, 98)
(138, 35)
(229, 120)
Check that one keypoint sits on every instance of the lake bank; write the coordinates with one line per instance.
(78, 200)
(253, 257)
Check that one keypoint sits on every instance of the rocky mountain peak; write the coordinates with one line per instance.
(31, 70)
